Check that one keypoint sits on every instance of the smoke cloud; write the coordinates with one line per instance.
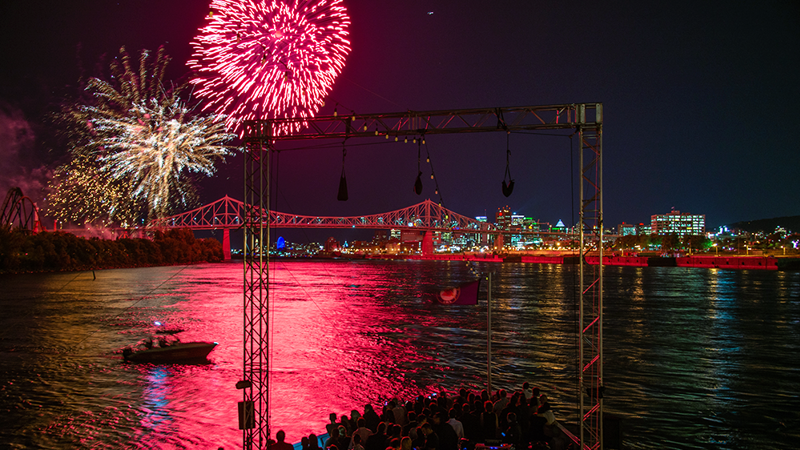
(17, 140)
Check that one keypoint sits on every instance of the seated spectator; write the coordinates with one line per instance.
(378, 440)
(313, 442)
(448, 440)
(458, 427)
(431, 439)
(281, 444)
(371, 417)
(489, 423)
(513, 432)
(361, 431)
(527, 391)
(357, 442)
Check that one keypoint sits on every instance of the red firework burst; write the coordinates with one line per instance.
(269, 59)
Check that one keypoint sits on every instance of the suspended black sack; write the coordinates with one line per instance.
(342, 196)
(508, 186)
(418, 184)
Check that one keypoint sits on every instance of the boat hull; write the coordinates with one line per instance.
(189, 351)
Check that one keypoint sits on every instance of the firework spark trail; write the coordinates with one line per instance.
(154, 146)
(132, 146)
(82, 194)
(270, 58)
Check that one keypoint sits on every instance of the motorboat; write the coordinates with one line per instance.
(162, 350)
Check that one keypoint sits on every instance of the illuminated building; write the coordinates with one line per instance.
(482, 239)
(676, 222)
(626, 229)
(503, 218)
(506, 220)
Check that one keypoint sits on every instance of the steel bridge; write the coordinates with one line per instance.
(230, 213)
(429, 217)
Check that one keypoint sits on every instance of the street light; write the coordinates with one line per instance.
(716, 249)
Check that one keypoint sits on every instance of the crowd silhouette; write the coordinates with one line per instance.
(465, 420)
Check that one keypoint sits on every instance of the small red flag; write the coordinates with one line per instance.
(466, 294)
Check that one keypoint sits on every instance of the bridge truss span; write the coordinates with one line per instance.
(223, 213)
(426, 215)
(229, 213)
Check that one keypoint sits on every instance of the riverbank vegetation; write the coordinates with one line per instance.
(22, 251)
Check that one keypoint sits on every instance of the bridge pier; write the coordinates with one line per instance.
(498, 243)
(226, 244)
(427, 243)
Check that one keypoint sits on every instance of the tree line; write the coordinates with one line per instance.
(22, 251)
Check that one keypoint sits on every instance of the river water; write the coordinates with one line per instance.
(694, 358)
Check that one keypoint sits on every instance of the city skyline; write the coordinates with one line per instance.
(696, 100)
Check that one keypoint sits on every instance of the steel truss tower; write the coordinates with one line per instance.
(584, 119)
(590, 322)
(254, 411)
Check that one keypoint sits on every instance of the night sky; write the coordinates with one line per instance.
(698, 100)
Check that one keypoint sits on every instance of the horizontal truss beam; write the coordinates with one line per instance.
(419, 123)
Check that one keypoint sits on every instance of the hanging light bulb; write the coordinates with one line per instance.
(405, 141)
(395, 138)
(415, 140)
(423, 140)
(387, 136)
(431, 176)
(365, 128)
(335, 113)
(427, 160)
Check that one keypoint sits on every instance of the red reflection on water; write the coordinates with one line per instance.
(325, 354)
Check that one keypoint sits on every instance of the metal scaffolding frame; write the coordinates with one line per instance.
(254, 410)
(590, 346)
(586, 121)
